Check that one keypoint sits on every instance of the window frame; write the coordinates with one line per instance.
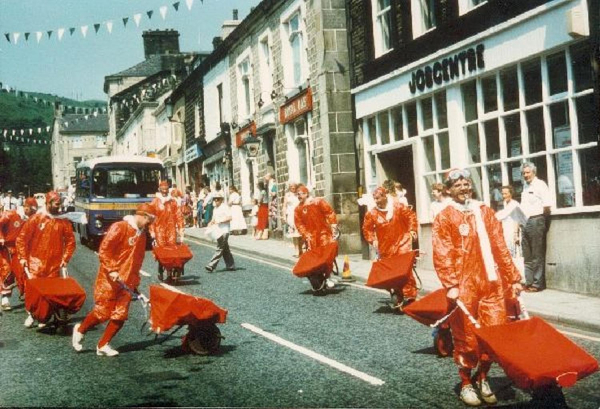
(377, 19)
(297, 9)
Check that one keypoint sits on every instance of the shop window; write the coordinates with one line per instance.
(469, 93)
(429, 149)
(443, 140)
(492, 139)
(384, 127)
(559, 119)
(541, 165)
(535, 129)
(474, 155)
(581, 65)
(512, 127)
(476, 185)
(427, 113)
(515, 179)
(586, 118)
(494, 177)
(398, 123)
(557, 73)
(441, 110)
(411, 117)
(490, 94)
(532, 82)
(372, 131)
(565, 188)
(423, 16)
(510, 88)
(590, 176)
(382, 22)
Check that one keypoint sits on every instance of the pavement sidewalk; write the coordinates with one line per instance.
(559, 307)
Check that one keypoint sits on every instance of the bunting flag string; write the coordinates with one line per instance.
(13, 38)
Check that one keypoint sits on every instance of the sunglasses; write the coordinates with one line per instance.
(458, 173)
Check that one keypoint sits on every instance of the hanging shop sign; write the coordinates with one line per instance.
(244, 133)
(193, 152)
(447, 69)
(296, 106)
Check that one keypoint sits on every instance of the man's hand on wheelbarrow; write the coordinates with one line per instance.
(114, 275)
(144, 300)
(452, 294)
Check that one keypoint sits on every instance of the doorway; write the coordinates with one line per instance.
(398, 165)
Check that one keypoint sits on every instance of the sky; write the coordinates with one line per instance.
(75, 67)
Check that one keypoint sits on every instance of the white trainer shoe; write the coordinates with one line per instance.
(486, 392)
(41, 325)
(6, 304)
(329, 283)
(29, 321)
(106, 350)
(77, 338)
(469, 396)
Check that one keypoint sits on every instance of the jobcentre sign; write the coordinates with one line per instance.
(447, 69)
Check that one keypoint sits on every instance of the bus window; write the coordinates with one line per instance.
(99, 183)
(125, 182)
(82, 188)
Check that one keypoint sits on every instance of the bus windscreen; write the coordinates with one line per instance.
(125, 182)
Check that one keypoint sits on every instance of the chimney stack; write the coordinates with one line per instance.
(160, 42)
(235, 14)
(216, 42)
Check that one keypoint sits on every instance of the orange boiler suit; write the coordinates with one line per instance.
(458, 261)
(122, 250)
(313, 219)
(10, 227)
(393, 237)
(169, 220)
(44, 243)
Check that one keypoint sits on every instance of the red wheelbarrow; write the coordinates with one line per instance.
(317, 265)
(170, 307)
(52, 300)
(534, 354)
(172, 260)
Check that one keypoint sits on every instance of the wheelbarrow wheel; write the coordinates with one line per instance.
(317, 281)
(442, 342)
(203, 339)
(174, 274)
(61, 321)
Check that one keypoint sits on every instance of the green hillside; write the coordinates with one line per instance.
(25, 165)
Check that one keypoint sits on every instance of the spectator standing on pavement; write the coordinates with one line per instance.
(474, 265)
(254, 216)
(315, 219)
(238, 223)
(290, 201)
(11, 224)
(222, 219)
(395, 192)
(271, 186)
(9, 202)
(535, 202)
(391, 228)
(121, 255)
(208, 206)
(200, 206)
(262, 227)
(167, 229)
(45, 244)
(440, 200)
(512, 217)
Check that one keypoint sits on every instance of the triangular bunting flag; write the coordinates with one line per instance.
(189, 4)
(7, 35)
(27, 36)
(16, 37)
(150, 13)
(137, 17)
(71, 30)
(49, 33)
(109, 26)
(38, 36)
(176, 6)
(97, 27)
(84, 30)
(125, 20)
(61, 31)
(163, 11)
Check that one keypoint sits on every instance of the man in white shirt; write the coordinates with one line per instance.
(10, 202)
(221, 217)
(535, 203)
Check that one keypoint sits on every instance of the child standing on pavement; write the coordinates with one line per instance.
(254, 216)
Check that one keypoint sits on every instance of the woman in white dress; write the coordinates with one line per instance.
(290, 201)
(238, 224)
(512, 217)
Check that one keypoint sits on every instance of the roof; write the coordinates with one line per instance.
(79, 124)
(119, 159)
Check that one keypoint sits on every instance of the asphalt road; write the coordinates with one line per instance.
(357, 353)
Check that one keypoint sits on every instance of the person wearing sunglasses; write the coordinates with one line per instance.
(474, 265)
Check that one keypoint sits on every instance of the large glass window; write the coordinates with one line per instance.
(245, 88)
(293, 52)
(423, 16)
(382, 18)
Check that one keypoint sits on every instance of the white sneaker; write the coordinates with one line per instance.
(77, 338)
(486, 392)
(329, 283)
(106, 350)
(41, 325)
(469, 396)
(29, 321)
(6, 304)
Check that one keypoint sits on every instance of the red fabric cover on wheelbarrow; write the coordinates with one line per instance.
(44, 296)
(316, 260)
(534, 354)
(429, 309)
(391, 272)
(169, 308)
(173, 256)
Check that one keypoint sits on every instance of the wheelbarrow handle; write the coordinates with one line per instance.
(524, 311)
(467, 313)
(443, 319)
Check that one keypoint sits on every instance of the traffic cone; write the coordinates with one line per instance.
(346, 273)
